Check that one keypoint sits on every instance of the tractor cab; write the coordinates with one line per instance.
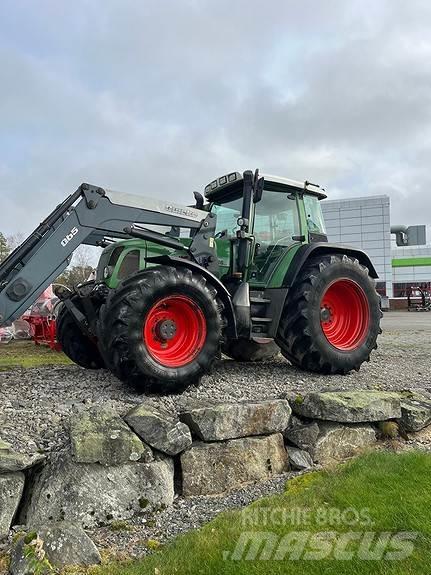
(261, 222)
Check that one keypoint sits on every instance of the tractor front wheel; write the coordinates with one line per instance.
(74, 343)
(162, 328)
(331, 318)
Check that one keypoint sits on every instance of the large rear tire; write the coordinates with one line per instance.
(162, 328)
(75, 344)
(331, 318)
(251, 351)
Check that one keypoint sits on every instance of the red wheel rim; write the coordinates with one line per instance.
(345, 314)
(174, 331)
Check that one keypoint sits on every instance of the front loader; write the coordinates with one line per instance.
(248, 273)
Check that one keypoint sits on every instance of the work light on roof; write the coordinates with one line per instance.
(222, 181)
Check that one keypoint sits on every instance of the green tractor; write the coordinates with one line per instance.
(247, 271)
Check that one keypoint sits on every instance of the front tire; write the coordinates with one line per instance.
(331, 318)
(74, 343)
(162, 328)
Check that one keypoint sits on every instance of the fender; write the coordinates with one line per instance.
(226, 298)
(279, 295)
(320, 248)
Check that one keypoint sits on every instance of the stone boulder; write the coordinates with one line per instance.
(211, 468)
(338, 442)
(91, 494)
(302, 434)
(415, 411)
(99, 435)
(233, 420)
(348, 406)
(11, 461)
(4, 446)
(160, 429)
(11, 488)
(62, 544)
(299, 459)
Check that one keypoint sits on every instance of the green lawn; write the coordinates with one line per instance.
(27, 354)
(380, 493)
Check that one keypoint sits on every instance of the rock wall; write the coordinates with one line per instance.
(115, 468)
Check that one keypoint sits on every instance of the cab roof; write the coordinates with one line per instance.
(233, 179)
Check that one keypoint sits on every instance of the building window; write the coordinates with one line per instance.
(410, 288)
(381, 288)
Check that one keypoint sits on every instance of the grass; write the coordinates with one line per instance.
(120, 525)
(27, 354)
(381, 492)
(4, 563)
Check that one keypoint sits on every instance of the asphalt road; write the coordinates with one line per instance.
(406, 321)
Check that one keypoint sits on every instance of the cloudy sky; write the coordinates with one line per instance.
(160, 96)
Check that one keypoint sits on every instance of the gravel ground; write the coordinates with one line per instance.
(35, 406)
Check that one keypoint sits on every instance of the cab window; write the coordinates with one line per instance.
(276, 219)
(313, 213)
(276, 224)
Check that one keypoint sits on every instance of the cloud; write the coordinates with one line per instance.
(161, 97)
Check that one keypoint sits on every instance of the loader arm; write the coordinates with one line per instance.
(85, 217)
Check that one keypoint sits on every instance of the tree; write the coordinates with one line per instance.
(15, 240)
(80, 269)
(74, 275)
(4, 248)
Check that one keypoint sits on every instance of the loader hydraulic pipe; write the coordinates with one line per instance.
(155, 237)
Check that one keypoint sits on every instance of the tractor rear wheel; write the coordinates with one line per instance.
(331, 318)
(249, 350)
(162, 328)
(75, 344)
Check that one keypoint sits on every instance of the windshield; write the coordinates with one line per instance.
(313, 212)
(227, 217)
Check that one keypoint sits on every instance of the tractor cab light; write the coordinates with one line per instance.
(221, 182)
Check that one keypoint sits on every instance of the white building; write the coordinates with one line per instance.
(411, 267)
(364, 223)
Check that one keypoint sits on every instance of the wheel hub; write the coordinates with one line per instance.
(165, 329)
(325, 314)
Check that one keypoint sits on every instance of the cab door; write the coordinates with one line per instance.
(276, 229)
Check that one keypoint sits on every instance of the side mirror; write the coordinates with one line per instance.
(257, 196)
(298, 238)
(199, 200)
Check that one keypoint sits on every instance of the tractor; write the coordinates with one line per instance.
(247, 271)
